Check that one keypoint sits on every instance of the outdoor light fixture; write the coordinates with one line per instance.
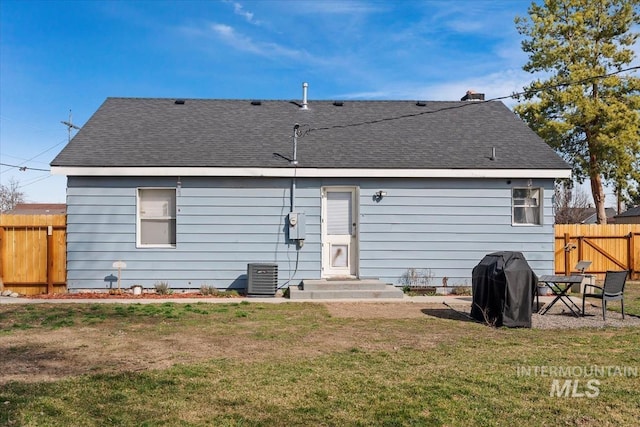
(379, 195)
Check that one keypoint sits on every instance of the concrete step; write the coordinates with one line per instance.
(343, 285)
(389, 291)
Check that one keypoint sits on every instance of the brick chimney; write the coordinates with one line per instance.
(472, 96)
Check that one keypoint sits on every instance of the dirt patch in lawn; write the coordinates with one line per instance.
(392, 310)
(115, 345)
(286, 332)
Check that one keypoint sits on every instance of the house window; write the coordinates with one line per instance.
(526, 204)
(156, 217)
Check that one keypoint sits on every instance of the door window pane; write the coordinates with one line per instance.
(339, 255)
(339, 221)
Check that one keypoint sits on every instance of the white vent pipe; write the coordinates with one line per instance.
(305, 86)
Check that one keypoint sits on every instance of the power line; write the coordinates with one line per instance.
(25, 168)
(69, 125)
(35, 180)
(34, 157)
(22, 159)
(453, 107)
(564, 84)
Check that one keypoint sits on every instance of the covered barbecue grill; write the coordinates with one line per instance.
(503, 287)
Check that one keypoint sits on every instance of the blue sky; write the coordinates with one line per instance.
(57, 56)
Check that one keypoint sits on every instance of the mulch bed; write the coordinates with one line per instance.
(124, 295)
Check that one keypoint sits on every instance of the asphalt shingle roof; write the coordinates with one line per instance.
(635, 211)
(39, 209)
(139, 132)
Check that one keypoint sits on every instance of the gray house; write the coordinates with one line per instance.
(191, 191)
(630, 216)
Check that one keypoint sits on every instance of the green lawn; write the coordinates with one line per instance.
(631, 299)
(296, 365)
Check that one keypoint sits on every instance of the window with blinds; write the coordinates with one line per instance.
(526, 204)
(157, 217)
(339, 220)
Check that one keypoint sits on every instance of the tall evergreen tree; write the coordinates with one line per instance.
(583, 104)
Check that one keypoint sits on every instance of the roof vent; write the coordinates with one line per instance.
(305, 86)
(256, 102)
(179, 102)
(472, 96)
(338, 103)
(421, 104)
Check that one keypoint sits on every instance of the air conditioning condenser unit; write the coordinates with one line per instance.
(262, 280)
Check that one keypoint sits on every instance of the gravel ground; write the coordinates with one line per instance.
(557, 318)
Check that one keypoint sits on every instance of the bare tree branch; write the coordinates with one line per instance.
(571, 204)
(10, 195)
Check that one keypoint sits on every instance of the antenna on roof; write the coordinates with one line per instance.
(70, 125)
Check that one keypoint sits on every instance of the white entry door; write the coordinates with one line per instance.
(339, 232)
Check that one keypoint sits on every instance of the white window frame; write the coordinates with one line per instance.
(139, 218)
(536, 222)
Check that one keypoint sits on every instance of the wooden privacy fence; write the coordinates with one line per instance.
(608, 247)
(33, 254)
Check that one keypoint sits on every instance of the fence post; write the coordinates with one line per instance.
(630, 254)
(567, 254)
(50, 259)
(2, 256)
(580, 248)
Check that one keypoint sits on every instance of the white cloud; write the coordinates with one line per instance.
(245, 43)
(472, 17)
(224, 31)
(340, 7)
(494, 85)
(238, 9)
(364, 95)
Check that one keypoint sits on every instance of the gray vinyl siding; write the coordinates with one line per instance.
(447, 227)
(222, 224)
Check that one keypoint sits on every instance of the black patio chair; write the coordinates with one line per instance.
(611, 290)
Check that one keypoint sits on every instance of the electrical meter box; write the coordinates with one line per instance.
(296, 221)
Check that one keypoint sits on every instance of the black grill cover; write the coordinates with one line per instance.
(503, 288)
